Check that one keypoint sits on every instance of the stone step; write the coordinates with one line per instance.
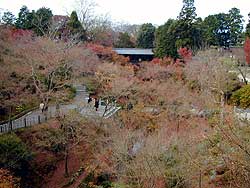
(111, 112)
(81, 90)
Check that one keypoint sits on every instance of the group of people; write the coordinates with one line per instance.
(96, 104)
(90, 99)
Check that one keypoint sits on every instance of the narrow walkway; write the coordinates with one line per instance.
(242, 114)
(79, 103)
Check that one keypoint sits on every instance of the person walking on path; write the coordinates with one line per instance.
(89, 99)
(96, 104)
(41, 106)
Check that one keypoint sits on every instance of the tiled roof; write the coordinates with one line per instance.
(133, 51)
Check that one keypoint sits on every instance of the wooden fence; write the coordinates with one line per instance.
(34, 118)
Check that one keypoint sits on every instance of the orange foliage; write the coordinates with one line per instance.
(184, 53)
(160, 69)
(163, 61)
(99, 49)
(7, 180)
(107, 53)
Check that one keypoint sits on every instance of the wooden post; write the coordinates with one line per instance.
(10, 125)
(200, 180)
(39, 119)
(57, 110)
(66, 157)
(25, 122)
(10, 121)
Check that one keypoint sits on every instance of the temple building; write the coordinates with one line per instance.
(136, 54)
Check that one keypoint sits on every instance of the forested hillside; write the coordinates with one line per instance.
(178, 121)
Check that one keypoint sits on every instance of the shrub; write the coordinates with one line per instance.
(120, 185)
(88, 181)
(185, 54)
(72, 92)
(14, 155)
(163, 61)
(7, 180)
(241, 97)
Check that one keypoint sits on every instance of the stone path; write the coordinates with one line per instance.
(242, 114)
(79, 103)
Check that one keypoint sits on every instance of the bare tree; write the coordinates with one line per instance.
(85, 10)
(72, 127)
(128, 28)
(115, 82)
(53, 65)
(214, 74)
(238, 57)
(143, 161)
(101, 31)
(69, 134)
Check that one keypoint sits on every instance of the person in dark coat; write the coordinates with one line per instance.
(90, 99)
(96, 104)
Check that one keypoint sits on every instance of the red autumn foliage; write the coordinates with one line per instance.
(21, 33)
(185, 54)
(106, 53)
(99, 49)
(163, 61)
(247, 50)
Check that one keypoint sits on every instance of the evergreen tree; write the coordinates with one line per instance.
(188, 13)
(146, 36)
(165, 40)
(223, 30)
(248, 27)
(217, 30)
(210, 25)
(75, 27)
(74, 24)
(24, 20)
(8, 18)
(235, 26)
(198, 34)
(42, 20)
(14, 155)
(187, 32)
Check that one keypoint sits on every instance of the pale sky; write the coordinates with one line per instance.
(134, 11)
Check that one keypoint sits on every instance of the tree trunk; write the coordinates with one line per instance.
(66, 157)
(106, 107)
(200, 180)
(45, 108)
(222, 104)
(10, 116)
(243, 75)
(178, 125)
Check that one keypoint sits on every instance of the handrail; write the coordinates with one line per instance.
(23, 113)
